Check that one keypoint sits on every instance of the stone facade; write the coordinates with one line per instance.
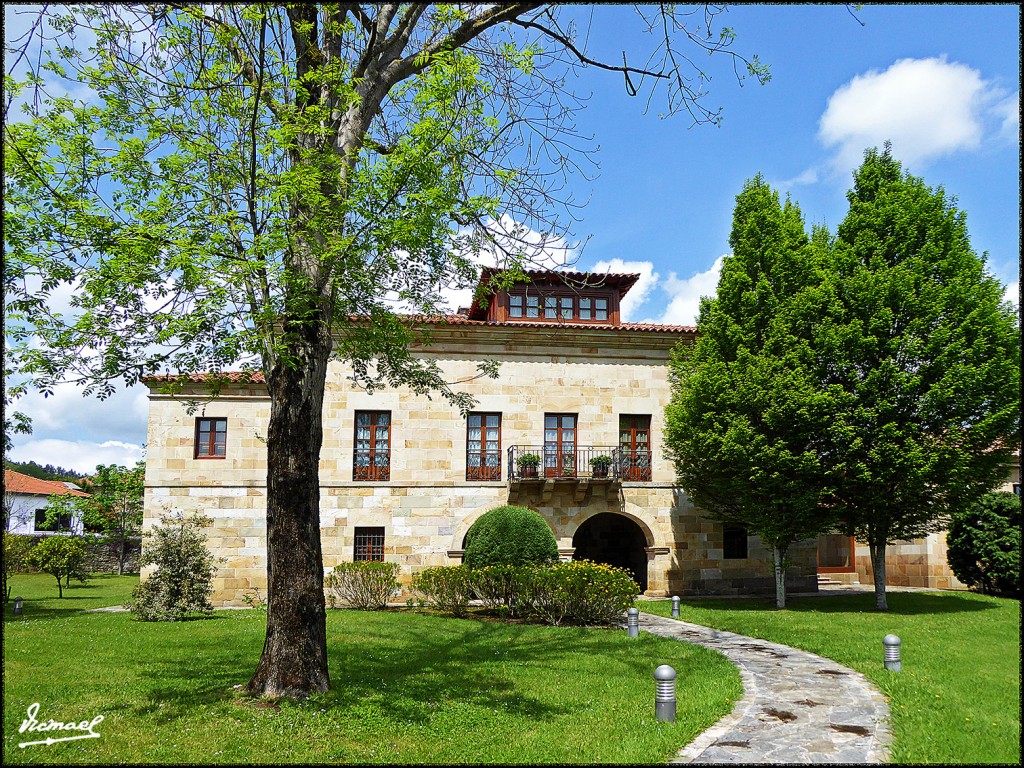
(426, 505)
(921, 562)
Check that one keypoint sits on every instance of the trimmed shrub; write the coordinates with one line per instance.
(365, 585)
(498, 586)
(183, 580)
(509, 535)
(446, 588)
(984, 544)
(579, 593)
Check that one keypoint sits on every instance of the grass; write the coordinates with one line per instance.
(39, 593)
(407, 687)
(957, 699)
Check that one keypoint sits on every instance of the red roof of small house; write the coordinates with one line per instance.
(15, 482)
(621, 281)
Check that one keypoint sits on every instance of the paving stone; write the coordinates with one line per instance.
(792, 701)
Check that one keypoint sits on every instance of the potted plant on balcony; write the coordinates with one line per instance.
(599, 465)
(568, 465)
(528, 463)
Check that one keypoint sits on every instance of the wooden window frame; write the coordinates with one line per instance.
(211, 444)
(368, 544)
(561, 468)
(372, 471)
(483, 471)
(632, 467)
(566, 308)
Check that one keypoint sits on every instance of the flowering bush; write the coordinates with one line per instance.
(498, 586)
(579, 592)
(365, 585)
(447, 588)
(183, 580)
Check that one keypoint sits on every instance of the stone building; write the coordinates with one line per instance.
(403, 477)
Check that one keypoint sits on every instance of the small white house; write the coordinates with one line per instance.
(26, 499)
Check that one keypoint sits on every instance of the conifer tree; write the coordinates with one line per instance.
(746, 421)
(927, 355)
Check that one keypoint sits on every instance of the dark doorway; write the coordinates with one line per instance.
(613, 540)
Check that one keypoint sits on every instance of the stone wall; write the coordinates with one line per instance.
(427, 505)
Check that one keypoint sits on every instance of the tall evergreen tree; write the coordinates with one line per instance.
(746, 421)
(928, 358)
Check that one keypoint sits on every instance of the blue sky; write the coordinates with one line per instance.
(940, 81)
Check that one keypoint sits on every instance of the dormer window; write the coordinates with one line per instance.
(552, 297)
(536, 305)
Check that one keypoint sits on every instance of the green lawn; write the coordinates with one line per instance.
(407, 687)
(957, 699)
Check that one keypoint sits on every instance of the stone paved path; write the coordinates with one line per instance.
(796, 707)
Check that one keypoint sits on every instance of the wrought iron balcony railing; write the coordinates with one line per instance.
(371, 465)
(527, 462)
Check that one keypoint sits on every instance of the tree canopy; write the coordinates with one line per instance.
(747, 418)
(266, 186)
(927, 355)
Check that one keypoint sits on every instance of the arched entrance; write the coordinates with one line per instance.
(614, 540)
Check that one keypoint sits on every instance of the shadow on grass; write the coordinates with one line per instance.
(900, 603)
(406, 669)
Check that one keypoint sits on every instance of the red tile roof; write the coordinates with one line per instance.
(15, 482)
(649, 327)
(232, 377)
(620, 281)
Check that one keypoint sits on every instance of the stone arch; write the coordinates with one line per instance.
(615, 539)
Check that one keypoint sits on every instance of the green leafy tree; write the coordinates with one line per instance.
(262, 184)
(60, 556)
(984, 544)
(746, 419)
(927, 355)
(62, 510)
(183, 580)
(114, 506)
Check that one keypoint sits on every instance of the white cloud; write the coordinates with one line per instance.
(79, 455)
(536, 250)
(640, 291)
(1012, 294)
(684, 305)
(120, 417)
(928, 108)
(1007, 112)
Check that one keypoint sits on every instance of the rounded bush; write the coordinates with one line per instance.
(984, 544)
(509, 535)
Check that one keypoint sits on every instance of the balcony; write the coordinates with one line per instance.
(579, 462)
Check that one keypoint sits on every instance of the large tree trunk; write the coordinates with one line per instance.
(294, 660)
(779, 559)
(878, 570)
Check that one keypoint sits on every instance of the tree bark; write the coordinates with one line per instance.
(878, 570)
(779, 559)
(294, 659)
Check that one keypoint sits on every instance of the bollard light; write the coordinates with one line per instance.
(892, 653)
(665, 694)
(633, 622)
(17, 606)
(675, 607)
